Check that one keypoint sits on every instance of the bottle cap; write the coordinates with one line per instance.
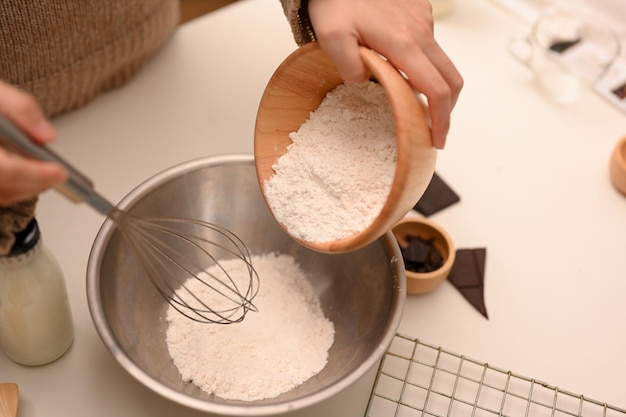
(26, 239)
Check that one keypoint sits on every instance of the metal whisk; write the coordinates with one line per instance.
(176, 253)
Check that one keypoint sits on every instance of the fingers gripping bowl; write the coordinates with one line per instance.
(361, 292)
(297, 88)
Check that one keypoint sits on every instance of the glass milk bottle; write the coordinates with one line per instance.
(35, 317)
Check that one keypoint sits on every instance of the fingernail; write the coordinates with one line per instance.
(440, 144)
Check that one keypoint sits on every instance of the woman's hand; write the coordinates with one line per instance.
(400, 30)
(22, 178)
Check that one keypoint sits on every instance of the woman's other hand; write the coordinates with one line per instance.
(400, 30)
(23, 178)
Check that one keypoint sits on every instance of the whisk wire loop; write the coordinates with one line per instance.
(170, 256)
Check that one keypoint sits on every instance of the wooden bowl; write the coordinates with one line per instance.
(297, 88)
(617, 166)
(9, 398)
(422, 283)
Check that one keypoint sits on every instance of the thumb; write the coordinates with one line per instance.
(345, 54)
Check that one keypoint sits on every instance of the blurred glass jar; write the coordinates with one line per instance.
(566, 52)
(35, 317)
(442, 7)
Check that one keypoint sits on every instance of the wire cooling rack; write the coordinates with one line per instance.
(417, 379)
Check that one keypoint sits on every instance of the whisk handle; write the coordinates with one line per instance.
(77, 188)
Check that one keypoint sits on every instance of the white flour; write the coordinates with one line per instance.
(337, 173)
(271, 351)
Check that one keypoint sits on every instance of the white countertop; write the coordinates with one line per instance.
(532, 176)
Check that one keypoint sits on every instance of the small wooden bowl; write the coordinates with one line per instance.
(422, 283)
(617, 166)
(297, 88)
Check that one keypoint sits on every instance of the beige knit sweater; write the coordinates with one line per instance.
(66, 52)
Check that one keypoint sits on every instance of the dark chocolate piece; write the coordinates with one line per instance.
(620, 91)
(468, 276)
(562, 46)
(438, 195)
(421, 255)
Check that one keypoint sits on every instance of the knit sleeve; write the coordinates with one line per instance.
(14, 219)
(297, 14)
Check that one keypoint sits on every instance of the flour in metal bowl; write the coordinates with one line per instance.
(270, 352)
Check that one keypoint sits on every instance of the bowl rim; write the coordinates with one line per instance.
(617, 166)
(246, 409)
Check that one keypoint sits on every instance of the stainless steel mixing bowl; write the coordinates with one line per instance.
(362, 292)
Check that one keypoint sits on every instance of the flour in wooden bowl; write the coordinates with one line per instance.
(336, 175)
(270, 352)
